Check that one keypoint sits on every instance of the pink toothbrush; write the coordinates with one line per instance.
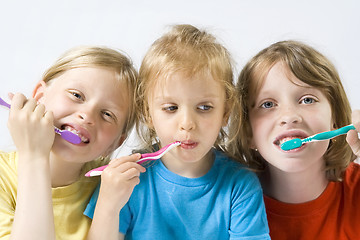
(144, 157)
(67, 135)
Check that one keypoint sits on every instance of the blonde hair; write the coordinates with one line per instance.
(312, 68)
(95, 56)
(188, 50)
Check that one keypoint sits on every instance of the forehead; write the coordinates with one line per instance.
(182, 87)
(279, 79)
(88, 74)
(201, 78)
(266, 75)
(186, 77)
(98, 82)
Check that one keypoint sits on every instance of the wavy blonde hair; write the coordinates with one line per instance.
(96, 56)
(312, 68)
(190, 51)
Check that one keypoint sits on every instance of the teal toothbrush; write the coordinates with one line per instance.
(297, 142)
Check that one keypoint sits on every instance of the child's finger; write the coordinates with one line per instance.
(122, 168)
(131, 173)
(125, 178)
(30, 105)
(134, 181)
(17, 101)
(10, 95)
(356, 119)
(39, 110)
(353, 136)
(49, 116)
(131, 158)
(353, 139)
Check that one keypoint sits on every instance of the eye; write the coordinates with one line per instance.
(308, 100)
(109, 116)
(267, 104)
(171, 108)
(77, 95)
(205, 108)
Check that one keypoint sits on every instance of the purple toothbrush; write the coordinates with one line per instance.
(144, 157)
(65, 134)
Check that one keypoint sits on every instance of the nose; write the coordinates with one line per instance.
(87, 115)
(289, 115)
(187, 121)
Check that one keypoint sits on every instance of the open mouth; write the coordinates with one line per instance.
(73, 130)
(278, 142)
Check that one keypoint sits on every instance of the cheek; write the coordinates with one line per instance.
(258, 129)
(55, 103)
(322, 120)
(211, 123)
(155, 120)
(253, 122)
(109, 137)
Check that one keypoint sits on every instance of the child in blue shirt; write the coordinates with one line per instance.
(195, 191)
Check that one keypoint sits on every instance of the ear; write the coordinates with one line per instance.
(226, 119)
(334, 125)
(39, 90)
(227, 113)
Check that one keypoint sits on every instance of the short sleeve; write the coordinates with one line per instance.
(125, 219)
(248, 215)
(7, 212)
(8, 191)
(124, 216)
(90, 208)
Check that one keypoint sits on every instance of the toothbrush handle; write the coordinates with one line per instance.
(144, 157)
(334, 133)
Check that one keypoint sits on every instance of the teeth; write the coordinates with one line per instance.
(84, 139)
(70, 129)
(281, 141)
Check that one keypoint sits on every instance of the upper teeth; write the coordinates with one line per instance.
(73, 130)
(285, 139)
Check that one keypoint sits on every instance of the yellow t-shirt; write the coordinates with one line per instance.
(69, 202)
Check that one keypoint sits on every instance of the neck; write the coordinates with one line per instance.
(63, 173)
(294, 187)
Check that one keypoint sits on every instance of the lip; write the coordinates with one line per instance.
(81, 131)
(188, 144)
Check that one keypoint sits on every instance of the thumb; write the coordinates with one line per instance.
(353, 139)
(10, 95)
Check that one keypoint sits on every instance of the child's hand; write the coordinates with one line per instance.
(31, 127)
(352, 137)
(118, 181)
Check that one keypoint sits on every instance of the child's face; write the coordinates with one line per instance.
(190, 110)
(283, 110)
(91, 102)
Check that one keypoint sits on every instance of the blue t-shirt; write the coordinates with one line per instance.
(225, 203)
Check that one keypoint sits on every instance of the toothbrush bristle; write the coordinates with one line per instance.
(71, 137)
(291, 144)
